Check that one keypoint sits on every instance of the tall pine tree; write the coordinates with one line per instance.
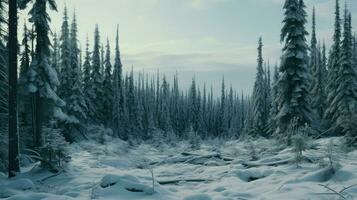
(294, 81)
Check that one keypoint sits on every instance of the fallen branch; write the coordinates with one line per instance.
(175, 181)
(333, 191)
(270, 164)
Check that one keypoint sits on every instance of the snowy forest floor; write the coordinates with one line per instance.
(215, 171)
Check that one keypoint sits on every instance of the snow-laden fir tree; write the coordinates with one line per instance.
(118, 94)
(107, 88)
(333, 67)
(204, 114)
(274, 103)
(317, 74)
(294, 83)
(194, 107)
(318, 90)
(134, 121)
(174, 107)
(164, 120)
(313, 48)
(346, 87)
(258, 98)
(267, 94)
(95, 89)
(222, 125)
(24, 100)
(43, 80)
(65, 60)
(76, 107)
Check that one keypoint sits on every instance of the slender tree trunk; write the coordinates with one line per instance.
(14, 164)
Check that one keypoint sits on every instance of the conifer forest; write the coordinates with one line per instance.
(79, 119)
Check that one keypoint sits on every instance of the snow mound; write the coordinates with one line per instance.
(20, 184)
(128, 187)
(321, 175)
(252, 174)
(13, 187)
(127, 182)
(38, 196)
(198, 197)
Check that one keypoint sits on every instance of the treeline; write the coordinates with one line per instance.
(311, 90)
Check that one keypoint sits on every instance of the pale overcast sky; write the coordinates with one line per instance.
(207, 39)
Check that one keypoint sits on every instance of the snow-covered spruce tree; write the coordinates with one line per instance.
(313, 49)
(274, 103)
(333, 67)
(317, 72)
(76, 107)
(95, 88)
(87, 80)
(294, 81)
(230, 112)
(194, 107)
(318, 89)
(65, 58)
(43, 79)
(24, 100)
(258, 98)
(267, 95)
(346, 87)
(148, 100)
(133, 127)
(118, 93)
(175, 107)
(164, 120)
(107, 88)
(204, 114)
(222, 125)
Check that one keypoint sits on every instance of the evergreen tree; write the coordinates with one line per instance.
(76, 107)
(194, 107)
(95, 90)
(317, 71)
(65, 61)
(107, 88)
(313, 47)
(333, 67)
(43, 79)
(164, 120)
(222, 129)
(274, 103)
(346, 87)
(24, 98)
(118, 104)
(318, 89)
(294, 81)
(259, 100)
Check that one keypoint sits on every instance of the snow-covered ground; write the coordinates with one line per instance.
(215, 171)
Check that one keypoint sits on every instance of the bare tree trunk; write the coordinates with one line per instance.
(14, 164)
